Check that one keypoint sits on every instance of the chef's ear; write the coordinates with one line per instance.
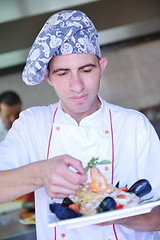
(47, 77)
(103, 63)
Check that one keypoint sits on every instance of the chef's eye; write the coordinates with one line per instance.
(62, 73)
(87, 70)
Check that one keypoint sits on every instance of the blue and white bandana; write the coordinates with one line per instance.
(66, 32)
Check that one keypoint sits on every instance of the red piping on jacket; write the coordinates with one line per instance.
(50, 135)
(112, 136)
(48, 149)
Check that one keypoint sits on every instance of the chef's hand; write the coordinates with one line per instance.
(143, 222)
(58, 179)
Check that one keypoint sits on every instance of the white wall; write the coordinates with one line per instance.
(132, 79)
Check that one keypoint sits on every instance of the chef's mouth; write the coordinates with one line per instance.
(80, 98)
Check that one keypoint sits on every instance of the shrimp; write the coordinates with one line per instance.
(99, 182)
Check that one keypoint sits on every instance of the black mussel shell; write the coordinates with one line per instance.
(107, 204)
(140, 188)
(66, 202)
(117, 185)
(63, 212)
(54, 206)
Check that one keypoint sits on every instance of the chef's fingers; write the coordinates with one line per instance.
(60, 192)
(75, 177)
(64, 183)
(75, 163)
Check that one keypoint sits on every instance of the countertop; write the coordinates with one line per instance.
(12, 229)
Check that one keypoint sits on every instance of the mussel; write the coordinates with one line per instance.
(66, 202)
(117, 184)
(140, 188)
(63, 212)
(107, 204)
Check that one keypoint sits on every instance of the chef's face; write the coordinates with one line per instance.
(76, 80)
(9, 113)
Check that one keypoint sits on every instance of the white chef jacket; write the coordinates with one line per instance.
(123, 136)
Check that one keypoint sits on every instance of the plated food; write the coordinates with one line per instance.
(99, 196)
(28, 220)
(27, 213)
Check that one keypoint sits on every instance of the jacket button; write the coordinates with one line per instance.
(106, 168)
(63, 235)
(106, 132)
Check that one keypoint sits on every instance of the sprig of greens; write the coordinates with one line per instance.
(94, 162)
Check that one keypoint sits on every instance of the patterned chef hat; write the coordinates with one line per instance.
(66, 32)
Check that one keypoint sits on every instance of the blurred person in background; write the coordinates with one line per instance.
(10, 107)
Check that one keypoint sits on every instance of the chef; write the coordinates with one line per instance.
(48, 146)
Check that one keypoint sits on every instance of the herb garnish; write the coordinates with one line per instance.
(94, 162)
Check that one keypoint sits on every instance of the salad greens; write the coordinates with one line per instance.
(94, 162)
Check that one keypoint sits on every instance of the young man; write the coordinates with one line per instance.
(46, 141)
(10, 107)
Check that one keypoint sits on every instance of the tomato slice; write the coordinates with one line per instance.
(75, 207)
(121, 196)
(119, 206)
(125, 189)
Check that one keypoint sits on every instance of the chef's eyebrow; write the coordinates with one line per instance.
(87, 65)
(67, 69)
(60, 69)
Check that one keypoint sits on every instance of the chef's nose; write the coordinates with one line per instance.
(76, 83)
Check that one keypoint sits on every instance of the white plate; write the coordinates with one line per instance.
(27, 221)
(102, 217)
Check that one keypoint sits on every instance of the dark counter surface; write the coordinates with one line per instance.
(12, 229)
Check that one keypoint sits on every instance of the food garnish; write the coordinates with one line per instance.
(99, 196)
(93, 163)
